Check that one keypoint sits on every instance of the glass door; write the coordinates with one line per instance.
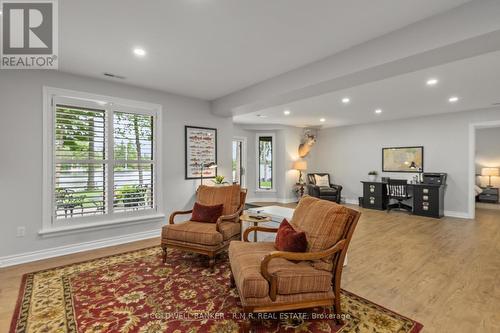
(238, 168)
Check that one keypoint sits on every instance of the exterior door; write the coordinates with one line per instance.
(238, 168)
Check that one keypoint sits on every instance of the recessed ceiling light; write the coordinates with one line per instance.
(286, 112)
(432, 82)
(0, 12)
(322, 120)
(346, 100)
(453, 99)
(378, 111)
(139, 52)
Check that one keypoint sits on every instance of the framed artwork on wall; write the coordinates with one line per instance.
(200, 149)
(403, 159)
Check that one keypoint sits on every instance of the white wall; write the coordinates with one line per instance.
(21, 153)
(348, 153)
(287, 140)
(488, 153)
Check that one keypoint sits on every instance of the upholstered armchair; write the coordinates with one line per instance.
(209, 239)
(326, 191)
(268, 280)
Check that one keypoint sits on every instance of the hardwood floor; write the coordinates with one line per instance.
(443, 273)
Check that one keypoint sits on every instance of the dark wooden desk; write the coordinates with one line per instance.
(428, 199)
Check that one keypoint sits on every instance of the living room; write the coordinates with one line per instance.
(278, 166)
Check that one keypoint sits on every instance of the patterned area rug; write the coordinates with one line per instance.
(135, 292)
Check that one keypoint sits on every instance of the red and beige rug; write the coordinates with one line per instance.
(135, 292)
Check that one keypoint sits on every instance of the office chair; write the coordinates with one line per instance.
(398, 189)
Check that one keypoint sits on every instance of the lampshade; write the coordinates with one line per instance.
(300, 165)
(490, 172)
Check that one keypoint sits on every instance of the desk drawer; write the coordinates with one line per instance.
(374, 196)
(426, 200)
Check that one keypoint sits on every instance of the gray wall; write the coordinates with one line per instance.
(348, 153)
(21, 153)
(488, 153)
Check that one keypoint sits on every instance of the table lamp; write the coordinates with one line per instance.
(300, 165)
(490, 172)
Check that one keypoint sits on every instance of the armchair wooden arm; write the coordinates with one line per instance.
(174, 214)
(297, 256)
(250, 229)
(232, 217)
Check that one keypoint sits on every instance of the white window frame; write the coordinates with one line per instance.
(257, 158)
(50, 95)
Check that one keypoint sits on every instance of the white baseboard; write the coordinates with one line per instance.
(461, 215)
(22, 258)
(350, 201)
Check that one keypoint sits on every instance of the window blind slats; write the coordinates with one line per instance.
(133, 186)
(79, 196)
(79, 133)
(133, 136)
(82, 165)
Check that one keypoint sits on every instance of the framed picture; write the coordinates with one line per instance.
(201, 149)
(403, 159)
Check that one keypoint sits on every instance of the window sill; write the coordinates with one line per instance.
(265, 191)
(93, 226)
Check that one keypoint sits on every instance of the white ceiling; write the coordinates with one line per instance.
(475, 81)
(210, 48)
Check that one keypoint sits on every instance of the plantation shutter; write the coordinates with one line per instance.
(79, 161)
(133, 165)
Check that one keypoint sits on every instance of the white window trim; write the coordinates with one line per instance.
(120, 104)
(257, 188)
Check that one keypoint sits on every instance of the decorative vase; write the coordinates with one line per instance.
(372, 178)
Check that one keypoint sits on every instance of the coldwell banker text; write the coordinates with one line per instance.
(29, 34)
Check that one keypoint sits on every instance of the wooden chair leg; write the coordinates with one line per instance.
(211, 263)
(245, 326)
(164, 257)
(232, 282)
(338, 311)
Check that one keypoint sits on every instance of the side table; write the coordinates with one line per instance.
(250, 219)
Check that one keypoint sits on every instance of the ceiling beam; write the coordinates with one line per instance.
(466, 31)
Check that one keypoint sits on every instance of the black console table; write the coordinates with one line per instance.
(428, 199)
(489, 194)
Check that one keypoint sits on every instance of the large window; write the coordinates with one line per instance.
(104, 162)
(265, 162)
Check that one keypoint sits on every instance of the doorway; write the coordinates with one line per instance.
(484, 159)
(239, 161)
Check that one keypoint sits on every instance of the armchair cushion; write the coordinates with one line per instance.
(292, 277)
(209, 214)
(193, 232)
(229, 196)
(323, 222)
(229, 229)
(323, 190)
(288, 239)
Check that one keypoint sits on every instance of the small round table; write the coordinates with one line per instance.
(248, 218)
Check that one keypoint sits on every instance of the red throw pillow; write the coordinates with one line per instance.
(208, 214)
(287, 239)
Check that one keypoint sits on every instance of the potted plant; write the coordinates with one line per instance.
(219, 181)
(372, 176)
